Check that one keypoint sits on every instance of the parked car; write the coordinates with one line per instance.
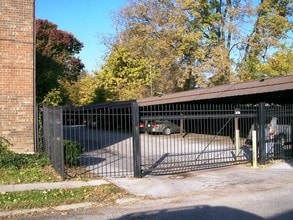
(92, 124)
(162, 126)
(141, 127)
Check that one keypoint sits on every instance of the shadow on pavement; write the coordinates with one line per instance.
(290, 163)
(90, 160)
(94, 139)
(203, 212)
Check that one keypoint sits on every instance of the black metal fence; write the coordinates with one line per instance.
(123, 139)
(52, 136)
(105, 133)
(277, 132)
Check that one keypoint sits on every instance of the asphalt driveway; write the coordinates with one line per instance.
(237, 192)
(234, 178)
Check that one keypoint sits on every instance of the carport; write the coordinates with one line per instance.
(217, 122)
(274, 90)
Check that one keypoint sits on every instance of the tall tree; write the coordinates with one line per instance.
(185, 43)
(55, 58)
(279, 64)
(122, 78)
(269, 31)
(153, 33)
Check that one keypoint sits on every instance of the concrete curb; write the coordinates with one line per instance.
(53, 185)
(38, 210)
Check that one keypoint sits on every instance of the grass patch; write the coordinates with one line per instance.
(25, 168)
(28, 175)
(103, 194)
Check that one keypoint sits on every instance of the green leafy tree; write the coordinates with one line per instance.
(216, 24)
(122, 77)
(279, 64)
(270, 29)
(55, 59)
(185, 44)
(84, 91)
(181, 42)
(54, 98)
(154, 32)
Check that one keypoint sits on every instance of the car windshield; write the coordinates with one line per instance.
(161, 122)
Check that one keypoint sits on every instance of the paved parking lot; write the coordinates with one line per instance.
(110, 153)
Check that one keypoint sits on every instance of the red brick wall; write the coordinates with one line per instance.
(17, 73)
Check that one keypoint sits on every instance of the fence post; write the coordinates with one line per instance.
(237, 132)
(53, 137)
(136, 140)
(62, 144)
(262, 125)
(291, 138)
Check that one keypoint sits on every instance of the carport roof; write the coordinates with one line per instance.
(254, 91)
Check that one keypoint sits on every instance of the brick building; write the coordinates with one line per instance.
(17, 111)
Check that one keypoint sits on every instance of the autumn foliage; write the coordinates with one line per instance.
(56, 62)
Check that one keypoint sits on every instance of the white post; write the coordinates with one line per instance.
(237, 142)
(237, 135)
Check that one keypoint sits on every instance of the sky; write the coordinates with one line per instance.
(87, 20)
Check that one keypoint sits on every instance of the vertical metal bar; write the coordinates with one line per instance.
(108, 138)
(136, 140)
(61, 145)
(120, 116)
(45, 128)
(237, 132)
(262, 124)
(291, 138)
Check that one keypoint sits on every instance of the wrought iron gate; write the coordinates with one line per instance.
(202, 137)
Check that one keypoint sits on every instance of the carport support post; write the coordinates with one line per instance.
(237, 133)
(291, 138)
(181, 126)
(136, 140)
(262, 124)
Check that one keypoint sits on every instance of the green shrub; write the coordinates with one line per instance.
(72, 151)
(10, 159)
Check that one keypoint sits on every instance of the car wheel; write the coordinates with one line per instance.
(167, 131)
(282, 138)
